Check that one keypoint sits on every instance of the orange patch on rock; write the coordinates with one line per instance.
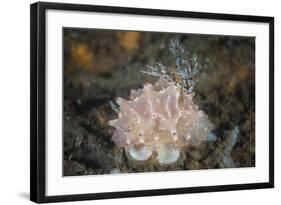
(129, 40)
(243, 72)
(82, 56)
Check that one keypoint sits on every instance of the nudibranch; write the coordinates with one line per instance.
(159, 119)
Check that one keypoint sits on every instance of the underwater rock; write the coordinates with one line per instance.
(230, 143)
(159, 119)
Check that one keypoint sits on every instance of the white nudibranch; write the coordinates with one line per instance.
(168, 121)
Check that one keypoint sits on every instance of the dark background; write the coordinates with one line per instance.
(100, 65)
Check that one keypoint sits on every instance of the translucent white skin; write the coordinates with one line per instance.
(156, 116)
(140, 154)
(168, 154)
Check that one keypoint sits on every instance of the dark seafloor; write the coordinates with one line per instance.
(101, 65)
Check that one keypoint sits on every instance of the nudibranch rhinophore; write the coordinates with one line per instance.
(159, 119)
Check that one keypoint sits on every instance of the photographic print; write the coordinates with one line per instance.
(132, 102)
(136, 101)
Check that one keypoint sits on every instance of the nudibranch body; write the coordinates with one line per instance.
(159, 119)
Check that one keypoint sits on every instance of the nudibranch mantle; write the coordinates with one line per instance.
(159, 119)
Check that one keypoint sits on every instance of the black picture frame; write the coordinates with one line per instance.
(38, 100)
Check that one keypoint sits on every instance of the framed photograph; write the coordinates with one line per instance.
(129, 102)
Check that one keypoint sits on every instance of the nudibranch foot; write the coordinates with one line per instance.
(140, 154)
(168, 154)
